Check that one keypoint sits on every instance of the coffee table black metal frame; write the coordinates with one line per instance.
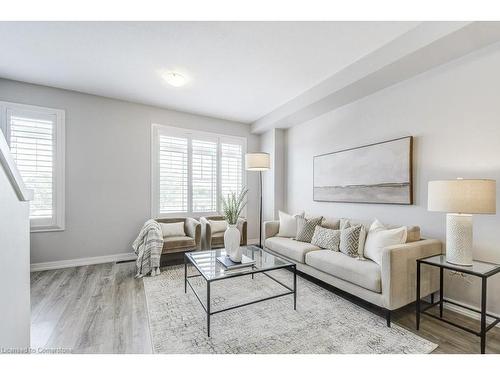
(250, 271)
(440, 262)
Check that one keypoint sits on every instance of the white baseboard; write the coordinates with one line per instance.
(94, 260)
(81, 262)
(470, 314)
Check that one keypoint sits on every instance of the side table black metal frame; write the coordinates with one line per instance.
(440, 302)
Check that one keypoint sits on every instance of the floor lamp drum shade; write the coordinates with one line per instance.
(257, 161)
(460, 199)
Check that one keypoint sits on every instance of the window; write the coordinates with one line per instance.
(36, 139)
(191, 170)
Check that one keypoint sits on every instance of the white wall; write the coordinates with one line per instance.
(108, 182)
(273, 142)
(267, 145)
(14, 268)
(453, 112)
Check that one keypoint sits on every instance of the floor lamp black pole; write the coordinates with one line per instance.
(260, 211)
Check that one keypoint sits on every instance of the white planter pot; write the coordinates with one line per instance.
(232, 243)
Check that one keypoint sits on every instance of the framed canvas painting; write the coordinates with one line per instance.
(376, 173)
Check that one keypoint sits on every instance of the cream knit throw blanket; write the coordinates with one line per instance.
(148, 247)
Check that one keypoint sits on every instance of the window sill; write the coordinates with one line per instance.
(46, 229)
(185, 215)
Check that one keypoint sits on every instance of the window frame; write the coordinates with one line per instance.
(57, 222)
(173, 131)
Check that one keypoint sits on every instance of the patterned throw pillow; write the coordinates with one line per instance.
(326, 238)
(349, 240)
(305, 228)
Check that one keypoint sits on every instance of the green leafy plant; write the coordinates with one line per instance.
(232, 205)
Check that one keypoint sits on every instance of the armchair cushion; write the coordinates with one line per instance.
(218, 239)
(218, 226)
(192, 230)
(213, 228)
(172, 229)
(178, 243)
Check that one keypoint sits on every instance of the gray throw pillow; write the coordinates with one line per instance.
(326, 238)
(305, 228)
(349, 240)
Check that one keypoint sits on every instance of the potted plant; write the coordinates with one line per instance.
(232, 205)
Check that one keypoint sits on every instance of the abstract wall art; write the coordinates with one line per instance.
(375, 173)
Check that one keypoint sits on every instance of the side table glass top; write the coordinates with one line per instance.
(478, 267)
(207, 264)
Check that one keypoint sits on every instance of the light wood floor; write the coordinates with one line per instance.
(102, 309)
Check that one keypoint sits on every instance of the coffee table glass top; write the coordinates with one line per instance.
(207, 264)
(477, 268)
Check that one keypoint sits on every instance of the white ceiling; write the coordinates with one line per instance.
(238, 70)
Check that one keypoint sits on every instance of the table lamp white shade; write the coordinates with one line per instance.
(460, 198)
(257, 161)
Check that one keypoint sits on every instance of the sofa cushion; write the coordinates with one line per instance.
(288, 224)
(379, 237)
(305, 228)
(364, 273)
(413, 231)
(330, 223)
(350, 240)
(412, 234)
(326, 238)
(178, 243)
(292, 249)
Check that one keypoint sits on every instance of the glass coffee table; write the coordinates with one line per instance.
(205, 262)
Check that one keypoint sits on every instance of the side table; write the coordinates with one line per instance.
(479, 269)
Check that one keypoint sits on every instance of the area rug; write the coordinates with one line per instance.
(322, 323)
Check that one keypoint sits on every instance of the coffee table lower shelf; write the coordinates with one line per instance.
(206, 306)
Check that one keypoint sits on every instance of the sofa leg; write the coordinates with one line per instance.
(388, 317)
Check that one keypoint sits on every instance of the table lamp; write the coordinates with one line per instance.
(258, 161)
(460, 199)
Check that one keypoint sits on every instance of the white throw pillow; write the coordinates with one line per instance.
(218, 226)
(288, 224)
(379, 237)
(173, 229)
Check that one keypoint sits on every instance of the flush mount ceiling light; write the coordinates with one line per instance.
(175, 79)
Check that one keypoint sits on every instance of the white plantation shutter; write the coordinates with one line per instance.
(32, 148)
(204, 176)
(192, 169)
(231, 168)
(37, 143)
(173, 174)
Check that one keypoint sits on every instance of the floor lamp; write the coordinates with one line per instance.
(258, 162)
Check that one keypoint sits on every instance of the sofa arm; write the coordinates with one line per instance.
(399, 269)
(193, 230)
(242, 227)
(271, 228)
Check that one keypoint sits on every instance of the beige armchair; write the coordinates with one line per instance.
(216, 240)
(190, 242)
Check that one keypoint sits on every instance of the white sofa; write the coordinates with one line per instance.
(390, 285)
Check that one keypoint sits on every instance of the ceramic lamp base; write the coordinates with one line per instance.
(459, 239)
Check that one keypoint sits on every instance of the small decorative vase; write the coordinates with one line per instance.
(232, 243)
